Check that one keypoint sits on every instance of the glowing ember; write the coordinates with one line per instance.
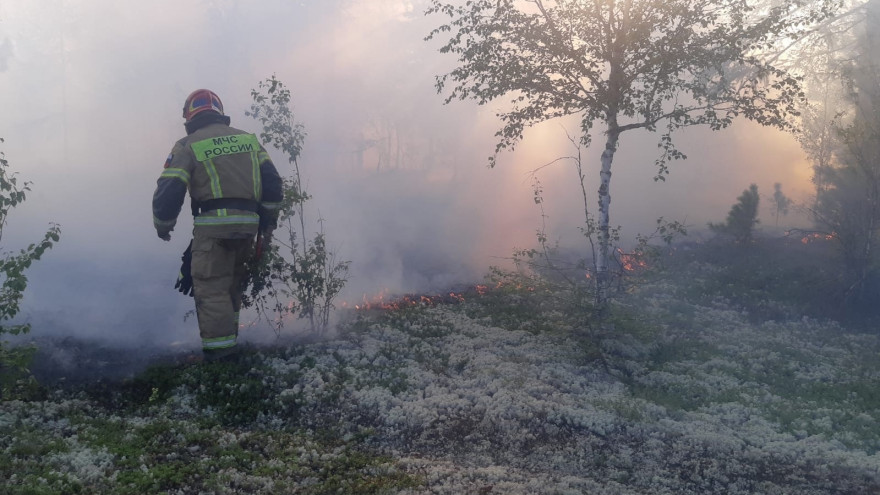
(631, 261)
(382, 302)
(817, 236)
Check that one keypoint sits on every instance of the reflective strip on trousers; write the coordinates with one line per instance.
(219, 342)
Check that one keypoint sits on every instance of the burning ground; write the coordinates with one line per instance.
(507, 392)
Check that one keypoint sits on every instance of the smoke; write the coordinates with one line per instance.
(5, 54)
(91, 108)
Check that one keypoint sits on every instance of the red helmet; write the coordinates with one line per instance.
(201, 100)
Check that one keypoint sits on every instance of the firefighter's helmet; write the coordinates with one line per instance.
(201, 100)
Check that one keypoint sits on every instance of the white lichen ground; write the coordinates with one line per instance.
(678, 398)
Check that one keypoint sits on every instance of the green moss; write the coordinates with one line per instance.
(773, 279)
(674, 397)
(161, 455)
(45, 482)
(519, 307)
(628, 409)
(28, 450)
(157, 478)
(681, 349)
(359, 472)
(30, 443)
(235, 394)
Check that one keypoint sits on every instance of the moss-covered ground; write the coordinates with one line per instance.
(722, 374)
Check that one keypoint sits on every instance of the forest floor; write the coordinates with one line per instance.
(684, 389)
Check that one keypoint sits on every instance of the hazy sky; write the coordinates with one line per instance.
(90, 98)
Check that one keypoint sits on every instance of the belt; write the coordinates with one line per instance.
(227, 203)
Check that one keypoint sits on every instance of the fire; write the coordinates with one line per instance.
(382, 301)
(817, 236)
(631, 261)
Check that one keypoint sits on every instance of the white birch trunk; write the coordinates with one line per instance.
(602, 276)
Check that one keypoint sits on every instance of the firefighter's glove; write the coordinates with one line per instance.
(165, 235)
(184, 282)
(268, 221)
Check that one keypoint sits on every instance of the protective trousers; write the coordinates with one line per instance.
(218, 269)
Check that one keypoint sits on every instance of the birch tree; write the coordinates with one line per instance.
(624, 65)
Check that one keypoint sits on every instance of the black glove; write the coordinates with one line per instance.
(267, 238)
(184, 282)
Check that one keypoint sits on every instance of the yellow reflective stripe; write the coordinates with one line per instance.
(219, 342)
(223, 212)
(271, 206)
(164, 223)
(176, 173)
(210, 148)
(227, 220)
(258, 184)
(262, 157)
(215, 179)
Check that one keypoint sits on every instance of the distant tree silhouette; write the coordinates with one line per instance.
(742, 218)
(781, 202)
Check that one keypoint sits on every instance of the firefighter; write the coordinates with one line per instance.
(235, 192)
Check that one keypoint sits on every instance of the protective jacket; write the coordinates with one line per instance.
(230, 178)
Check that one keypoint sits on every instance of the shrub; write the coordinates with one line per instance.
(14, 361)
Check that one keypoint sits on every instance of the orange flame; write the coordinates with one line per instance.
(816, 236)
(631, 261)
(380, 301)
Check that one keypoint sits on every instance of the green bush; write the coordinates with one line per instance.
(296, 275)
(14, 361)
